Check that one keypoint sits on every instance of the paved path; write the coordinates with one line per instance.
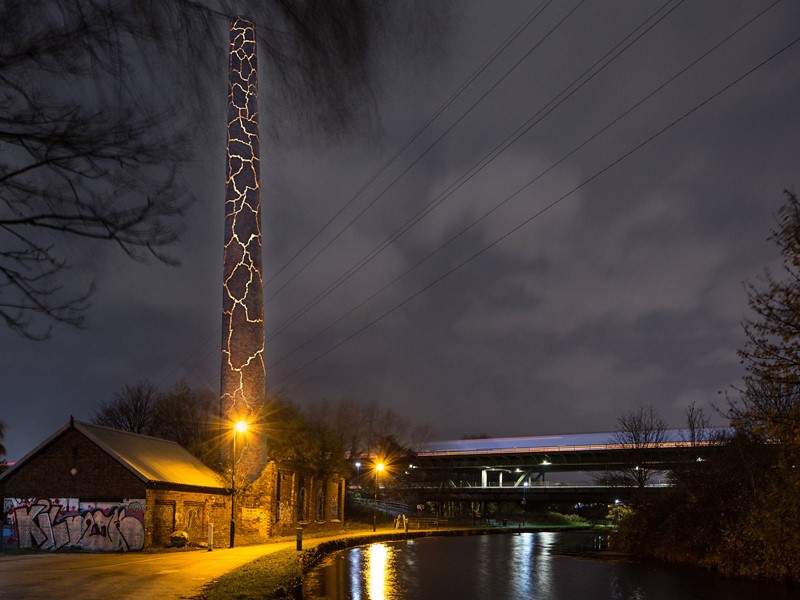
(129, 576)
(170, 575)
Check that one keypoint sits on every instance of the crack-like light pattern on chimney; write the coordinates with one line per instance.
(242, 385)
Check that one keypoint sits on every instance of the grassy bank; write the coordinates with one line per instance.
(275, 575)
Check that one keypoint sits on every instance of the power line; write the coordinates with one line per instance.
(454, 187)
(461, 88)
(425, 152)
(555, 202)
(487, 159)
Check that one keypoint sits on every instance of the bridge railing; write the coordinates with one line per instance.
(512, 487)
(556, 449)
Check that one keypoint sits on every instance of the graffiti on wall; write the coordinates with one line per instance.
(57, 523)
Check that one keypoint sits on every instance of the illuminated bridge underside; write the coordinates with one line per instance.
(563, 453)
(565, 458)
(242, 386)
(525, 468)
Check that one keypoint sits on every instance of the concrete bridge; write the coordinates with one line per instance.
(546, 469)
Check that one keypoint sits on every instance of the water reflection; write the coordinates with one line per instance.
(355, 572)
(522, 561)
(379, 572)
(542, 566)
(366, 573)
(482, 565)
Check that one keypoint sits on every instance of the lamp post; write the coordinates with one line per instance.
(524, 489)
(378, 469)
(358, 474)
(241, 426)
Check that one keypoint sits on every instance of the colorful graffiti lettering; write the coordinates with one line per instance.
(57, 523)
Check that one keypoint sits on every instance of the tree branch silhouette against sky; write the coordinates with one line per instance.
(512, 222)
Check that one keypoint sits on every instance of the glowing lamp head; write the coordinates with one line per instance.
(379, 467)
(241, 426)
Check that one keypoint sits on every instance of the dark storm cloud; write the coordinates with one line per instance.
(625, 293)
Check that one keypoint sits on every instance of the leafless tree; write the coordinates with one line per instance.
(638, 431)
(698, 425)
(181, 414)
(131, 409)
(186, 416)
(362, 428)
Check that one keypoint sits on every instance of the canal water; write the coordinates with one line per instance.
(527, 566)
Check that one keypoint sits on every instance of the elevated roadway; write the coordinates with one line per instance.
(550, 468)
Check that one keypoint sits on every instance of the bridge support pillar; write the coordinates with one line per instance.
(484, 478)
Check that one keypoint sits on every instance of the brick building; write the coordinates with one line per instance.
(286, 497)
(94, 488)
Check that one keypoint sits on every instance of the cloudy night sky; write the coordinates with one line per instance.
(570, 232)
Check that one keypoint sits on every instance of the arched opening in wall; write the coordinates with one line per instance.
(320, 504)
(163, 522)
(335, 507)
(194, 519)
(301, 504)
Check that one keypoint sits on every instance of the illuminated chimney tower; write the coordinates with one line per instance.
(242, 386)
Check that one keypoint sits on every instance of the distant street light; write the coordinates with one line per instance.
(358, 474)
(241, 427)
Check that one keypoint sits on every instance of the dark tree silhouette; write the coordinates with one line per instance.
(737, 510)
(181, 414)
(640, 430)
(698, 425)
(132, 409)
(769, 404)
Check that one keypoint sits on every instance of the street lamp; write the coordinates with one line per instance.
(241, 427)
(358, 474)
(524, 489)
(378, 468)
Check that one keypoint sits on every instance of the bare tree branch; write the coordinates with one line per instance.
(92, 136)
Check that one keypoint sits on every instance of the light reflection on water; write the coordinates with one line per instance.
(380, 572)
(371, 569)
(517, 567)
(355, 572)
(522, 562)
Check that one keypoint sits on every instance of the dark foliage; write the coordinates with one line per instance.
(181, 414)
(738, 512)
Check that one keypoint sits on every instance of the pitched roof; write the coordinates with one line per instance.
(152, 460)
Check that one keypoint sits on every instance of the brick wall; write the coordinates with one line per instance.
(279, 498)
(169, 510)
(72, 467)
(49, 474)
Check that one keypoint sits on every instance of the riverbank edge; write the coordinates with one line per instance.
(282, 571)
